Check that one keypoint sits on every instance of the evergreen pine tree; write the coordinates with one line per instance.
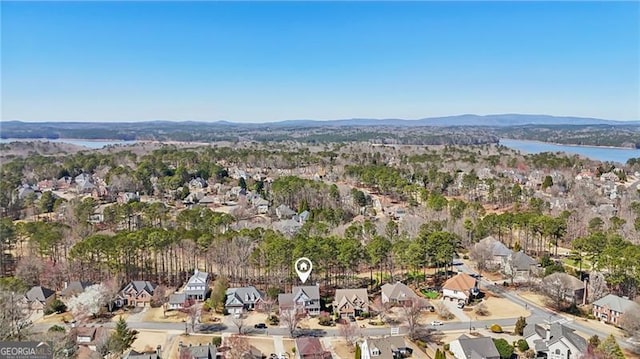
(122, 338)
(520, 324)
(358, 352)
(610, 348)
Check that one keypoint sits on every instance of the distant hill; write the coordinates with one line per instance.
(504, 120)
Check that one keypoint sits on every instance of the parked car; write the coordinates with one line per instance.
(460, 305)
(260, 326)
(436, 323)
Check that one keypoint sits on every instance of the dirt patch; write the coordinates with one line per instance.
(263, 345)
(535, 298)
(342, 348)
(149, 341)
(56, 318)
(500, 308)
(156, 315)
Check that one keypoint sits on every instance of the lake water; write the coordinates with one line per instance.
(93, 144)
(620, 155)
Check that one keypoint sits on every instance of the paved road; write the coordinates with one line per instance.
(538, 315)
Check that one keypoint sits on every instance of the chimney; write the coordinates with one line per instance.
(548, 332)
(586, 292)
(65, 285)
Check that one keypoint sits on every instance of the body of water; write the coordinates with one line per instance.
(93, 144)
(620, 155)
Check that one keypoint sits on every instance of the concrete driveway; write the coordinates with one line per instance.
(453, 308)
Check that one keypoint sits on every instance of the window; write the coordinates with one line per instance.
(375, 352)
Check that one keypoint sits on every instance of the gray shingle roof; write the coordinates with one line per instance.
(386, 346)
(39, 293)
(615, 303)
(398, 290)
(238, 297)
(481, 347)
(201, 351)
(177, 298)
(75, 287)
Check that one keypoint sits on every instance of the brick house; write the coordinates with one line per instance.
(611, 307)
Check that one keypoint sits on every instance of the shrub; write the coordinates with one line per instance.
(324, 319)
(365, 315)
(217, 341)
(520, 324)
(465, 257)
(496, 328)
(446, 347)
(481, 309)
(274, 320)
(504, 348)
(523, 346)
(48, 311)
(57, 329)
(58, 306)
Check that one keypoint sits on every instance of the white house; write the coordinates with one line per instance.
(197, 286)
(555, 341)
(461, 287)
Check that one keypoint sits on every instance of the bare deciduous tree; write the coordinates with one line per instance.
(90, 302)
(482, 310)
(381, 309)
(290, 318)
(442, 311)
(630, 321)
(239, 322)
(556, 287)
(482, 253)
(597, 286)
(411, 313)
(238, 346)
(349, 332)
(14, 314)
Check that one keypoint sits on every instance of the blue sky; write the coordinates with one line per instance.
(267, 61)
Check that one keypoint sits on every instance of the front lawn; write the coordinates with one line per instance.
(429, 293)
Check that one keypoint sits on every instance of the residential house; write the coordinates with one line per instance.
(287, 227)
(611, 307)
(385, 348)
(555, 341)
(302, 217)
(74, 288)
(126, 197)
(311, 348)
(89, 337)
(39, 297)
(462, 287)
(176, 301)
(499, 252)
(305, 299)
(284, 212)
(208, 351)
(520, 267)
(474, 348)
(261, 205)
(351, 302)
(25, 191)
(197, 184)
(574, 288)
(156, 354)
(397, 293)
(609, 176)
(240, 300)
(197, 287)
(137, 293)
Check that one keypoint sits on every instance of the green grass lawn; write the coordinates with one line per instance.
(586, 265)
(429, 294)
